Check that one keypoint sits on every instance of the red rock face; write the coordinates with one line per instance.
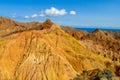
(78, 34)
(47, 24)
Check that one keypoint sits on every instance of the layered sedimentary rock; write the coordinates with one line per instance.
(46, 52)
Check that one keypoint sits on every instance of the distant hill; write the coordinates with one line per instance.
(8, 26)
(102, 42)
(115, 34)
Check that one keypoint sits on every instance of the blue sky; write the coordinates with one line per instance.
(104, 13)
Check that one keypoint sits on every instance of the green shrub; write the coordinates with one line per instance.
(106, 73)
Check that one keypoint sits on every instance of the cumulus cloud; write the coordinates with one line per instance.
(73, 12)
(26, 17)
(50, 12)
(55, 12)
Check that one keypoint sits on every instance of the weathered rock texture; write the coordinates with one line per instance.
(46, 53)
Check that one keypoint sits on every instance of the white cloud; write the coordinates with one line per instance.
(50, 12)
(72, 12)
(42, 15)
(34, 16)
(26, 17)
(55, 12)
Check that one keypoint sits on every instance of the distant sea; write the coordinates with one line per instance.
(92, 29)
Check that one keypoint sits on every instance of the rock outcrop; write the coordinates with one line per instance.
(46, 53)
(78, 34)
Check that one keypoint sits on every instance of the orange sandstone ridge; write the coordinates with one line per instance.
(44, 51)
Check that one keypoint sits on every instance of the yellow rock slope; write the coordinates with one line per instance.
(49, 54)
